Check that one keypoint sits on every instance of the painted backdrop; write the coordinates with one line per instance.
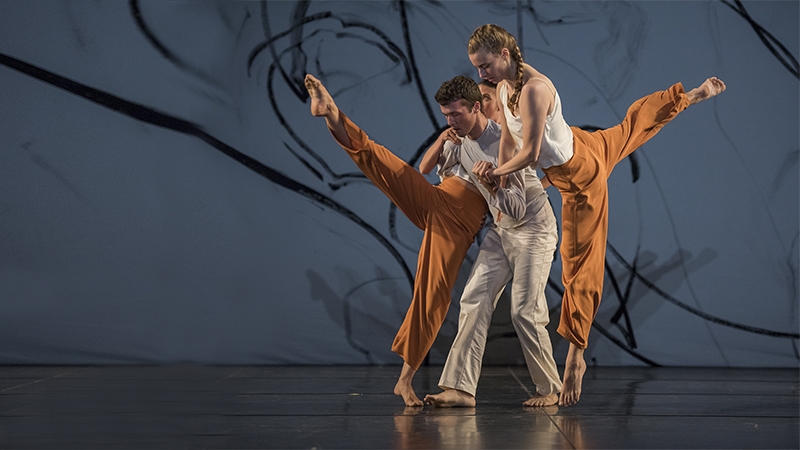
(165, 195)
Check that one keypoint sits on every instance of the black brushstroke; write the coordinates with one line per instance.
(304, 162)
(412, 162)
(297, 86)
(414, 69)
(781, 52)
(154, 117)
(165, 52)
(293, 80)
(622, 310)
(285, 124)
(621, 345)
(606, 333)
(695, 311)
(345, 24)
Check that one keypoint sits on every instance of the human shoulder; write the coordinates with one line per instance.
(493, 128)
(536, 86)
(449, 146)
(537, 94)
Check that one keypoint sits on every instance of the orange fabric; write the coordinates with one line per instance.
(583, 184)
(451, 215)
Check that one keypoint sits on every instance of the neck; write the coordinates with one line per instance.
(480, 126)
(511, 75)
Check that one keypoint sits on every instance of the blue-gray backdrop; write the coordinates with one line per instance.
(165, 195)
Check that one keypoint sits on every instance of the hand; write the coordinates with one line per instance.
(484, 170)
(450, 135)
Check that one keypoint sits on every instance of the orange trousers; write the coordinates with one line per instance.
(583, 183)
(451, 214)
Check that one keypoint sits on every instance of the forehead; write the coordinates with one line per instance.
(456, 106)
(486, 90)
(482, 57)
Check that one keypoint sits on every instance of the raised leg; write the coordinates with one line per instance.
(711, 87)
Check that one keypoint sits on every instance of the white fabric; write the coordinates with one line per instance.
(457, 160)
(521, 248)
(526, 254)
(557, 140)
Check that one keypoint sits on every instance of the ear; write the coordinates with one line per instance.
(476, 108)
(505, 53)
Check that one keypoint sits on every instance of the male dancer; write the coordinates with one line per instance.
(451, 214)
(518, 245)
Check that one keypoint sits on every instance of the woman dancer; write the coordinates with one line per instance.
(576, 162)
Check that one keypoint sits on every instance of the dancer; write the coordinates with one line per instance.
(519, 248)
(451, 214)
(578, 163)
(490, 105)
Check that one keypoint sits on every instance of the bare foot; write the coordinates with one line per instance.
(574, 369)
(407, 392)
(541, 400)
(451, 398)
(322, 104)
(711, 87)
(403, 387)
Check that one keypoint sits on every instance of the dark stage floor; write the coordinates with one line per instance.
(174, 407)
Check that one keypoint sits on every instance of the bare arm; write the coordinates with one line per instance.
(507, 145)
(534, 103)
(431, 156)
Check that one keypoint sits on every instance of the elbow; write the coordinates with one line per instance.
(531, 158)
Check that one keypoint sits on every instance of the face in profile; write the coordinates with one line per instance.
(490, 67)
(491, 105)
(460, 117)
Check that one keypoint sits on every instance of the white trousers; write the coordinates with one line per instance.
(525, 254)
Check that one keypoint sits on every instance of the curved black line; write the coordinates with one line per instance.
(622, 310)
(621, 345)
(285, 123)
(154, 117)
(345, 24)
(783, 54)
(348, 324)
(305, 163)
(414, 70)
(425, 144)
(697, 312)
(393, 229)
(165, 52)
(605, 332)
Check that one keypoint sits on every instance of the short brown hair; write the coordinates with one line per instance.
(459, 88)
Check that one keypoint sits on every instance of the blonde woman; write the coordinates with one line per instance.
(576, 162)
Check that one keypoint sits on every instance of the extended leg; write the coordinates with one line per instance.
(646, 117)
(401, 183)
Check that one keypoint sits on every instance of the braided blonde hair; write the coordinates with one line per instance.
(494, 39)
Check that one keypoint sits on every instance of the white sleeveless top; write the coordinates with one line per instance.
(557, 140)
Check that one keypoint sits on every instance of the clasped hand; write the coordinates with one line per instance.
(484, 170)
